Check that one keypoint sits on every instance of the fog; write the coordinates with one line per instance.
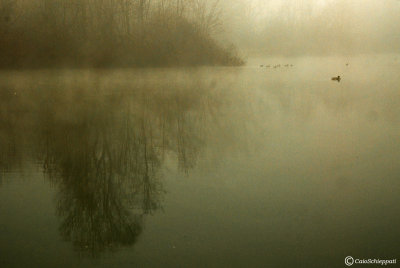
(147, 33)
(199, 133)
(314, 27)
(110, 33)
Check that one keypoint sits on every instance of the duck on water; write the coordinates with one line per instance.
(336, 78)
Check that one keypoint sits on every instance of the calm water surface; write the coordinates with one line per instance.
(209, 167)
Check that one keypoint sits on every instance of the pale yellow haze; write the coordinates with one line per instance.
(293, 27)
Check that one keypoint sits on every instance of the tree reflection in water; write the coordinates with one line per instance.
(103, 148)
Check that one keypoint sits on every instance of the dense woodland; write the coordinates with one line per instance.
(111, 33)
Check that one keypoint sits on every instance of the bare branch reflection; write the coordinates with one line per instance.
(104, 152)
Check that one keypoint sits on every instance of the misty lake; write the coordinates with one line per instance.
(201, 167)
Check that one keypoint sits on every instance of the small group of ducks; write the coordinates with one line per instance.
(275, 66)
(335, 78)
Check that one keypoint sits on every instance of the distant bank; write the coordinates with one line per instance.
(109, 34)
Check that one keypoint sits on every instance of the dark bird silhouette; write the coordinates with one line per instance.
(336, 78)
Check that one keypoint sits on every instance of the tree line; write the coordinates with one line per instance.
(111, 33)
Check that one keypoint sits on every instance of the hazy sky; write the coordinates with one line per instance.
(314, 26)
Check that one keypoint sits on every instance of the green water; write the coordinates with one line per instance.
(205, 167)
